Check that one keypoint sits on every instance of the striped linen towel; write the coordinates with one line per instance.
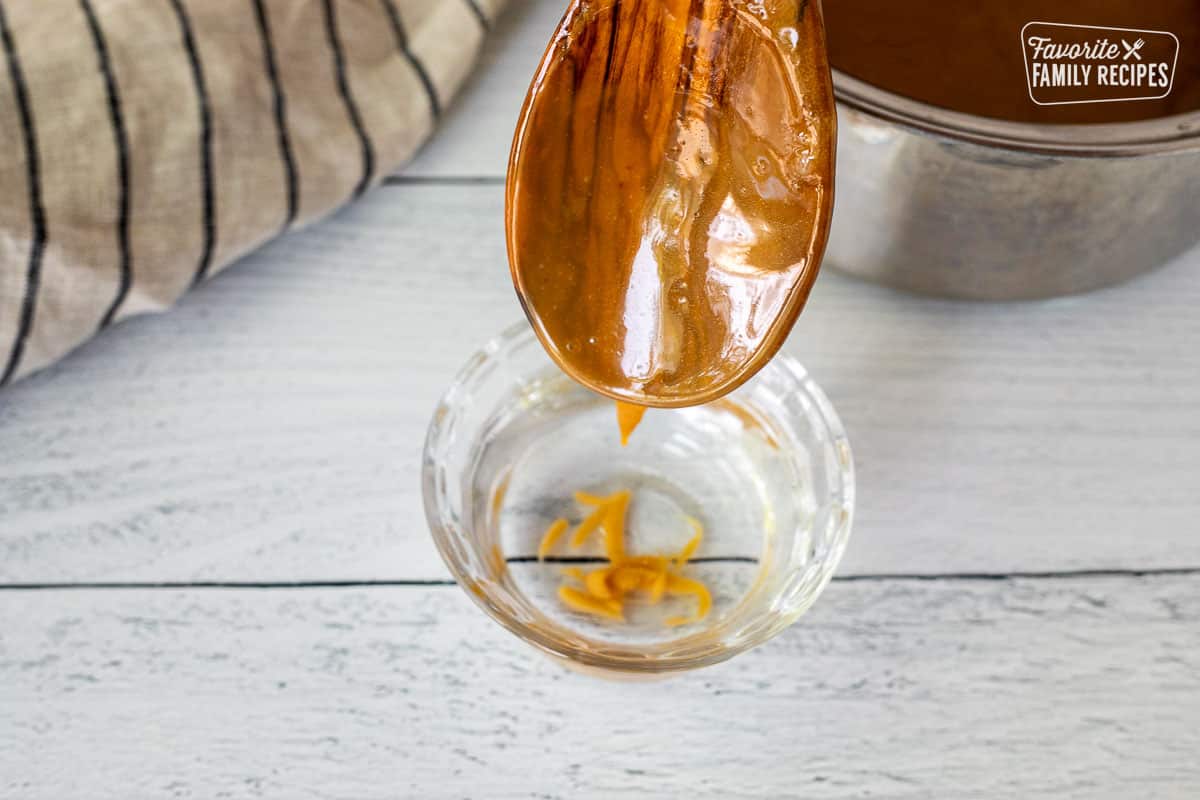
(146, 144)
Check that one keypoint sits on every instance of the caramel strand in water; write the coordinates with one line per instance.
(690, 548)
(679, 585)
(551, 537)
(590, 523)
(606, 589)
(614, 528)
(597, 584)
(585, 499)
(658, 587)
(588, 604)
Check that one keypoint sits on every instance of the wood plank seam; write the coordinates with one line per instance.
(959, 577)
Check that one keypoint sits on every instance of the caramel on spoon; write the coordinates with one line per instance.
(670, 190)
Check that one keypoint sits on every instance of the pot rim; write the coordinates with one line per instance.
(1178, 133)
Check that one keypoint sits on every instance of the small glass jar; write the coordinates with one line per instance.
(766, 471)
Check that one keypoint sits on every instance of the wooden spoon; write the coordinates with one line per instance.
(670, 189)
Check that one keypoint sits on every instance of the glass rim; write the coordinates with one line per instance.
(445, 530)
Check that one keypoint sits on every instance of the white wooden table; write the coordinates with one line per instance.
(217, 580)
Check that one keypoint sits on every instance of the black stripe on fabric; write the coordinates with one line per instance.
(37, 212)
(121, 140)
(339, 66)
(393, 14)
(206, 166)
(477, 10)
(281, 128)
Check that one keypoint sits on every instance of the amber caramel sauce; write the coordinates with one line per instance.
(670, 191)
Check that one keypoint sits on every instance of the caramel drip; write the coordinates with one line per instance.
(629, 417)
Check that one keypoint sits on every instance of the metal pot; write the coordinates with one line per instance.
(951, 204)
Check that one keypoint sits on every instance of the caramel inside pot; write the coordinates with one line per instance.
(670, 190)
(969, 57)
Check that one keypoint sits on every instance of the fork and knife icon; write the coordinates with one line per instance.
(1131, 50)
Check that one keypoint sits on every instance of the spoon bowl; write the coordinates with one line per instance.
(670, 191)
